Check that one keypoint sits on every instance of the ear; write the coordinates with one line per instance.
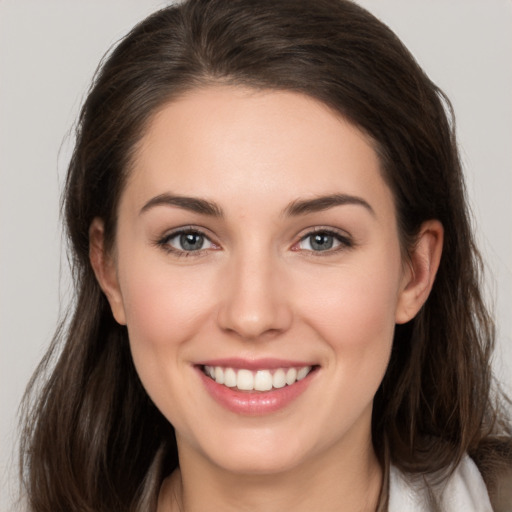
(103, 264)
(421, 271)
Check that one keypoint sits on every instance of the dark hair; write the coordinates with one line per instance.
(93, 440)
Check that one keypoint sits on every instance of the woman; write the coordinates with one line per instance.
(278, 303)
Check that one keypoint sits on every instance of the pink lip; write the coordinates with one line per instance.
(254, 403)
(254, 364)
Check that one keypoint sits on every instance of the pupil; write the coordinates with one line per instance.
(191, 241)
(321, 242)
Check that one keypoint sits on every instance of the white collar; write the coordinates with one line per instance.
(464, 491)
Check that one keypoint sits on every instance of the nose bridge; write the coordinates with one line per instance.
(254, 300)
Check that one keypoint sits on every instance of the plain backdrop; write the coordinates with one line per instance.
(48, 53)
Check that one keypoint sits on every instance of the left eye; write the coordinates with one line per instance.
(321, 241)
(189, 241)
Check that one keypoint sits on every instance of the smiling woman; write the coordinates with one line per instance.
(284, 280)
(273, 257)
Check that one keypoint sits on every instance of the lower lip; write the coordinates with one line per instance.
(256, 402)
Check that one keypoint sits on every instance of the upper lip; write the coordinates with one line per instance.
(266, 363)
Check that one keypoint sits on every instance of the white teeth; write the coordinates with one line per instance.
(291, 376)
(302, 372)
(279, 379)
(230, 378)
(219, 375)
(245, 380)
(263, 381)
(260, 380)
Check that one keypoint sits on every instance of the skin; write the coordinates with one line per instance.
(258, 289)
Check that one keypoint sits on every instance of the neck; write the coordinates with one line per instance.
(351, 482)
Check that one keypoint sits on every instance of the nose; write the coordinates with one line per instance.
(254, 301)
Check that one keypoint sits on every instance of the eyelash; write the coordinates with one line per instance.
(344, 241)
(164, 242)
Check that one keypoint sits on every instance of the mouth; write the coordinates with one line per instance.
(256, 388)
(256, 380)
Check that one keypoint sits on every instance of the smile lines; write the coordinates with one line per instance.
(260, 380)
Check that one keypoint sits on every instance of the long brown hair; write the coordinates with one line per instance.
(92, 438)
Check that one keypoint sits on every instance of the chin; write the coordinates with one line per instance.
(259, 464)
(263, 454)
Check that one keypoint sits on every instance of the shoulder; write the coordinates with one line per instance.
(464, 490)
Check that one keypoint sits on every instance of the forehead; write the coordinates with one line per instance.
(225, 142)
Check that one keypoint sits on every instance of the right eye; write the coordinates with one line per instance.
(187, 241)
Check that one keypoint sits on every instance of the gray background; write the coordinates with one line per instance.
(48, 52)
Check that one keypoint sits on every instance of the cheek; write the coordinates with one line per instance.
(348, 310)
(355, 306)
(158, 297)
(352, 309)
(165, 307)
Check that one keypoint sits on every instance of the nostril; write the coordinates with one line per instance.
(253, 320)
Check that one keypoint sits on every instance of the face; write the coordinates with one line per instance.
(258, 269)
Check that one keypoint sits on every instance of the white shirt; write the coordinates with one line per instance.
(464, 491)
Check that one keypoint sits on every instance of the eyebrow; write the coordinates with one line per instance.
(294, 209)
(193, 204)
(318, 204)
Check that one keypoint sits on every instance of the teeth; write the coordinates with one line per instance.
(291, 376)
(261, 380)
(230, 378)
(279, 379)
(219, 375)
(302, 372)
(245, 380)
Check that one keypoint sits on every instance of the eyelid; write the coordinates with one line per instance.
(345, 239)
(163, 240)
